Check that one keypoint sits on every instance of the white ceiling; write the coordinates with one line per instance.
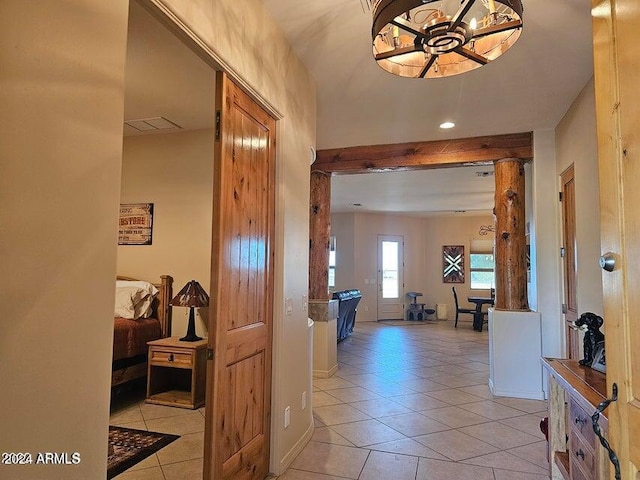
(433, 192)
(529, 88)
(164, 78)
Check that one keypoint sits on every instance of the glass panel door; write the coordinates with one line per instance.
(390, 277)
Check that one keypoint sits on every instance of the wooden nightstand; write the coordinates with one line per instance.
(176, 374)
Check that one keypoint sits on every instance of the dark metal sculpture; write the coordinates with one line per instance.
(590, 324)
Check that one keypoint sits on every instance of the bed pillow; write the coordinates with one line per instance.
(134, 299)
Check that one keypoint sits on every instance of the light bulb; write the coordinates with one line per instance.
(473, 24)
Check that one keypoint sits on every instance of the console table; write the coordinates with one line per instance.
(575, 452)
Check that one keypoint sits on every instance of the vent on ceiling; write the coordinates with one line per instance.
(484, 174)
(153, 124)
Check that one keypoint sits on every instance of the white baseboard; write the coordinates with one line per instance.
(288, 459)
(325, 373)
(514, 394)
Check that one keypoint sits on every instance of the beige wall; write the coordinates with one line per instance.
(173, 171)
(357, 235)
(451, 230)
(62, 97)
(342, 227)
(576, 143)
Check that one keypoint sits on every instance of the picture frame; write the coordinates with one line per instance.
(453, 264)
(135, 226)
(599, 359)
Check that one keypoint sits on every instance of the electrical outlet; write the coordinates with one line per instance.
(305, 303)
(366, 308)
(287, 417)
(288, 306)
(303, 401)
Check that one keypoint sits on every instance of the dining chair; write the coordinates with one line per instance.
(459, 310)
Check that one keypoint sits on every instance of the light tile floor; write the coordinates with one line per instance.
(409, 402)
(180, 460)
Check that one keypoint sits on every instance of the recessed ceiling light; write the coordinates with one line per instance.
(447, 125)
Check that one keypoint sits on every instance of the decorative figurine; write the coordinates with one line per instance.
(590, 324)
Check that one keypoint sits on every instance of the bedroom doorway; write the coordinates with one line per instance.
(181, 166)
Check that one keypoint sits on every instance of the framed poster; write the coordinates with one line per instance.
(453, 264)
(136, 224)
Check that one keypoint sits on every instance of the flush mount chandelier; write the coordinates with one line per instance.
(441, 38)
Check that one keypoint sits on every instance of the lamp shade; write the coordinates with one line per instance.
(191, 295)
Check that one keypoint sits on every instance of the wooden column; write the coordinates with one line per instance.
(511, 265)
(319, 233)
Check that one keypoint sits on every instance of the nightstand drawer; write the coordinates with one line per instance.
(179, 359)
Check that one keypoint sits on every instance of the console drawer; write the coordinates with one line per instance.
(581, 455)
(581, 423)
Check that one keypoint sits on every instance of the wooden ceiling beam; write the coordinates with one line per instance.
(424, 155)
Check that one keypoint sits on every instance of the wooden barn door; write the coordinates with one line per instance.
(239, 378)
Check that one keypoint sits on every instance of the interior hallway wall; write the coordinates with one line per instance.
(62, 97)
(576, 142)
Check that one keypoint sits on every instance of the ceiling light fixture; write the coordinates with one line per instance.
(441, 38)
(447, 125)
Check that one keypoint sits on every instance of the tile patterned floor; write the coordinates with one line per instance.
(180, 460)
(408, 402)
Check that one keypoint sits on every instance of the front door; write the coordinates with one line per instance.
(570, 306)
(239, 377)
(617, 76)
(390, 277)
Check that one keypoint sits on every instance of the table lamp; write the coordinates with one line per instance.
(192, 295)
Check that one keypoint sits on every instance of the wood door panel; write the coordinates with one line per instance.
(247, 249)
(239, 381)
(570, 267)
(242, 420)
(239, 466)
(615, 34)
(245, 342)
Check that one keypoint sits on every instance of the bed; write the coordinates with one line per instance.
(131, 335)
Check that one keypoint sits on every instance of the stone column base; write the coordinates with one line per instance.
(325, 337)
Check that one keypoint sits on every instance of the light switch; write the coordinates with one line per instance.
(288, 306)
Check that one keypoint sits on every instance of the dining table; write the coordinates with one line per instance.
(478, 315)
